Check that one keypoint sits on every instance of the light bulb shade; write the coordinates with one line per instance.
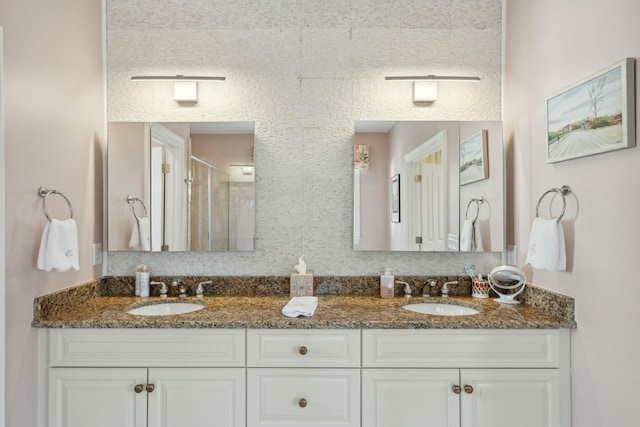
(185, 91)
(425, 91)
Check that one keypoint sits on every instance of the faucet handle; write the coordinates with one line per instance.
(407, 288)
(163, 288)
(445, 288)
(200, 288)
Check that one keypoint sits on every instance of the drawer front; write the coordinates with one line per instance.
(303, 348)
(303, 397)
(457, 348)
(148, 348)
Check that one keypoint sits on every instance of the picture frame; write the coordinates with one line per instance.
(474, 163)
(593, 116)
(395, 198)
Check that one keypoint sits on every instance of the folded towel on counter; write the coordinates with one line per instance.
(300, 306)
(470, 238)
(141, 234)
(59, 246)
(546, 245)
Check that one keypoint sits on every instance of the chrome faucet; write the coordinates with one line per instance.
(407, 288)
(182, 288)
(200, 289)
(445, 288)
(426, 288)
(163, 288)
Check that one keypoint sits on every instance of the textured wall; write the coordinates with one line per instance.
(303, 70)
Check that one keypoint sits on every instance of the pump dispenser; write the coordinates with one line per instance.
(386, 284)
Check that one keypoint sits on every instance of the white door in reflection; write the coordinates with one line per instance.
(431, 217)
(426, 186)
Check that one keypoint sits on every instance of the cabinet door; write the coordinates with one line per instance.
(303, 397)
(410, 398)
(508, 397)
(97, 397)
(197, 397)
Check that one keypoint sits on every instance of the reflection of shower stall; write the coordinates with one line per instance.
(209, 208)
(221, 214)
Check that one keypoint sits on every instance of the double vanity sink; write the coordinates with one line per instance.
(258, 303)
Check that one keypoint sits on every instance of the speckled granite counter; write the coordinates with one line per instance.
(101, 305)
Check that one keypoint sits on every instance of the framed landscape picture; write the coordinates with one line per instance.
(593, 116)
(473, 158)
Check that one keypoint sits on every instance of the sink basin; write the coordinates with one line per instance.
(166, 309)
(438, 309)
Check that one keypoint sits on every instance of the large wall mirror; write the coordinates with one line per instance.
(181, 186)
(429, 186)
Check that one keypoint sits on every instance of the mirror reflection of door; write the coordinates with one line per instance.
(426, 184)
(168, 195)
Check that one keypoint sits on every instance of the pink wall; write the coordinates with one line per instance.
(53, 138)
(491, 213)
(126, 171)
(550, 45)
(223, 150)
(375, 215)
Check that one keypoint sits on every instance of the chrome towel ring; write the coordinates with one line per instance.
(563, 191)
(478, 201)
(44, 193)
(132, 201)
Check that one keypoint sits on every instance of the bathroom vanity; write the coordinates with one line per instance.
(359, 361)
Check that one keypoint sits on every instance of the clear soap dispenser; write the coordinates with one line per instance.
(386, 284)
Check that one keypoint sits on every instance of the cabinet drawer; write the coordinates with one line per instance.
(303, 348)
(148, 348)
(458, 348)
(303, 397)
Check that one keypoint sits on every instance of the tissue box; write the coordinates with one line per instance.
(301, 285)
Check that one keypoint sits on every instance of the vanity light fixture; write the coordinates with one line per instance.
(185, 88)
(425, 88)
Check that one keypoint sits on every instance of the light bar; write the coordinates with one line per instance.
(432, 78)
(176, 78)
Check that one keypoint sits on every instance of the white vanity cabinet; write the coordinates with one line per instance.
(305, 378)
(302, 378)
(464, 378)
(138, 378)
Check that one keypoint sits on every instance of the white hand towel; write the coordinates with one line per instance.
(59, 246)
(140, 234)
(546, 245)
(300, 306)
(134, 240)
(470, 238)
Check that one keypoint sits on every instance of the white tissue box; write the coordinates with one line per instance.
(301, 285)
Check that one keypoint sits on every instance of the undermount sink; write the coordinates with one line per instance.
(166, 309)
(438, 309)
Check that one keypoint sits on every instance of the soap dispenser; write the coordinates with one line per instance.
(386, 284)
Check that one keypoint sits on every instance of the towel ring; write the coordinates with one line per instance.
(563, 191)
(478, 201)
(132, 201)
(44, 193)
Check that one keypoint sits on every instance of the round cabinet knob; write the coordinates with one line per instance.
(303, 350)
(138, 388)
(468, 389)
(302, 403)
(456, 389)
(150, 388)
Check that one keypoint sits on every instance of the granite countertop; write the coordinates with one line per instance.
(333, 312)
